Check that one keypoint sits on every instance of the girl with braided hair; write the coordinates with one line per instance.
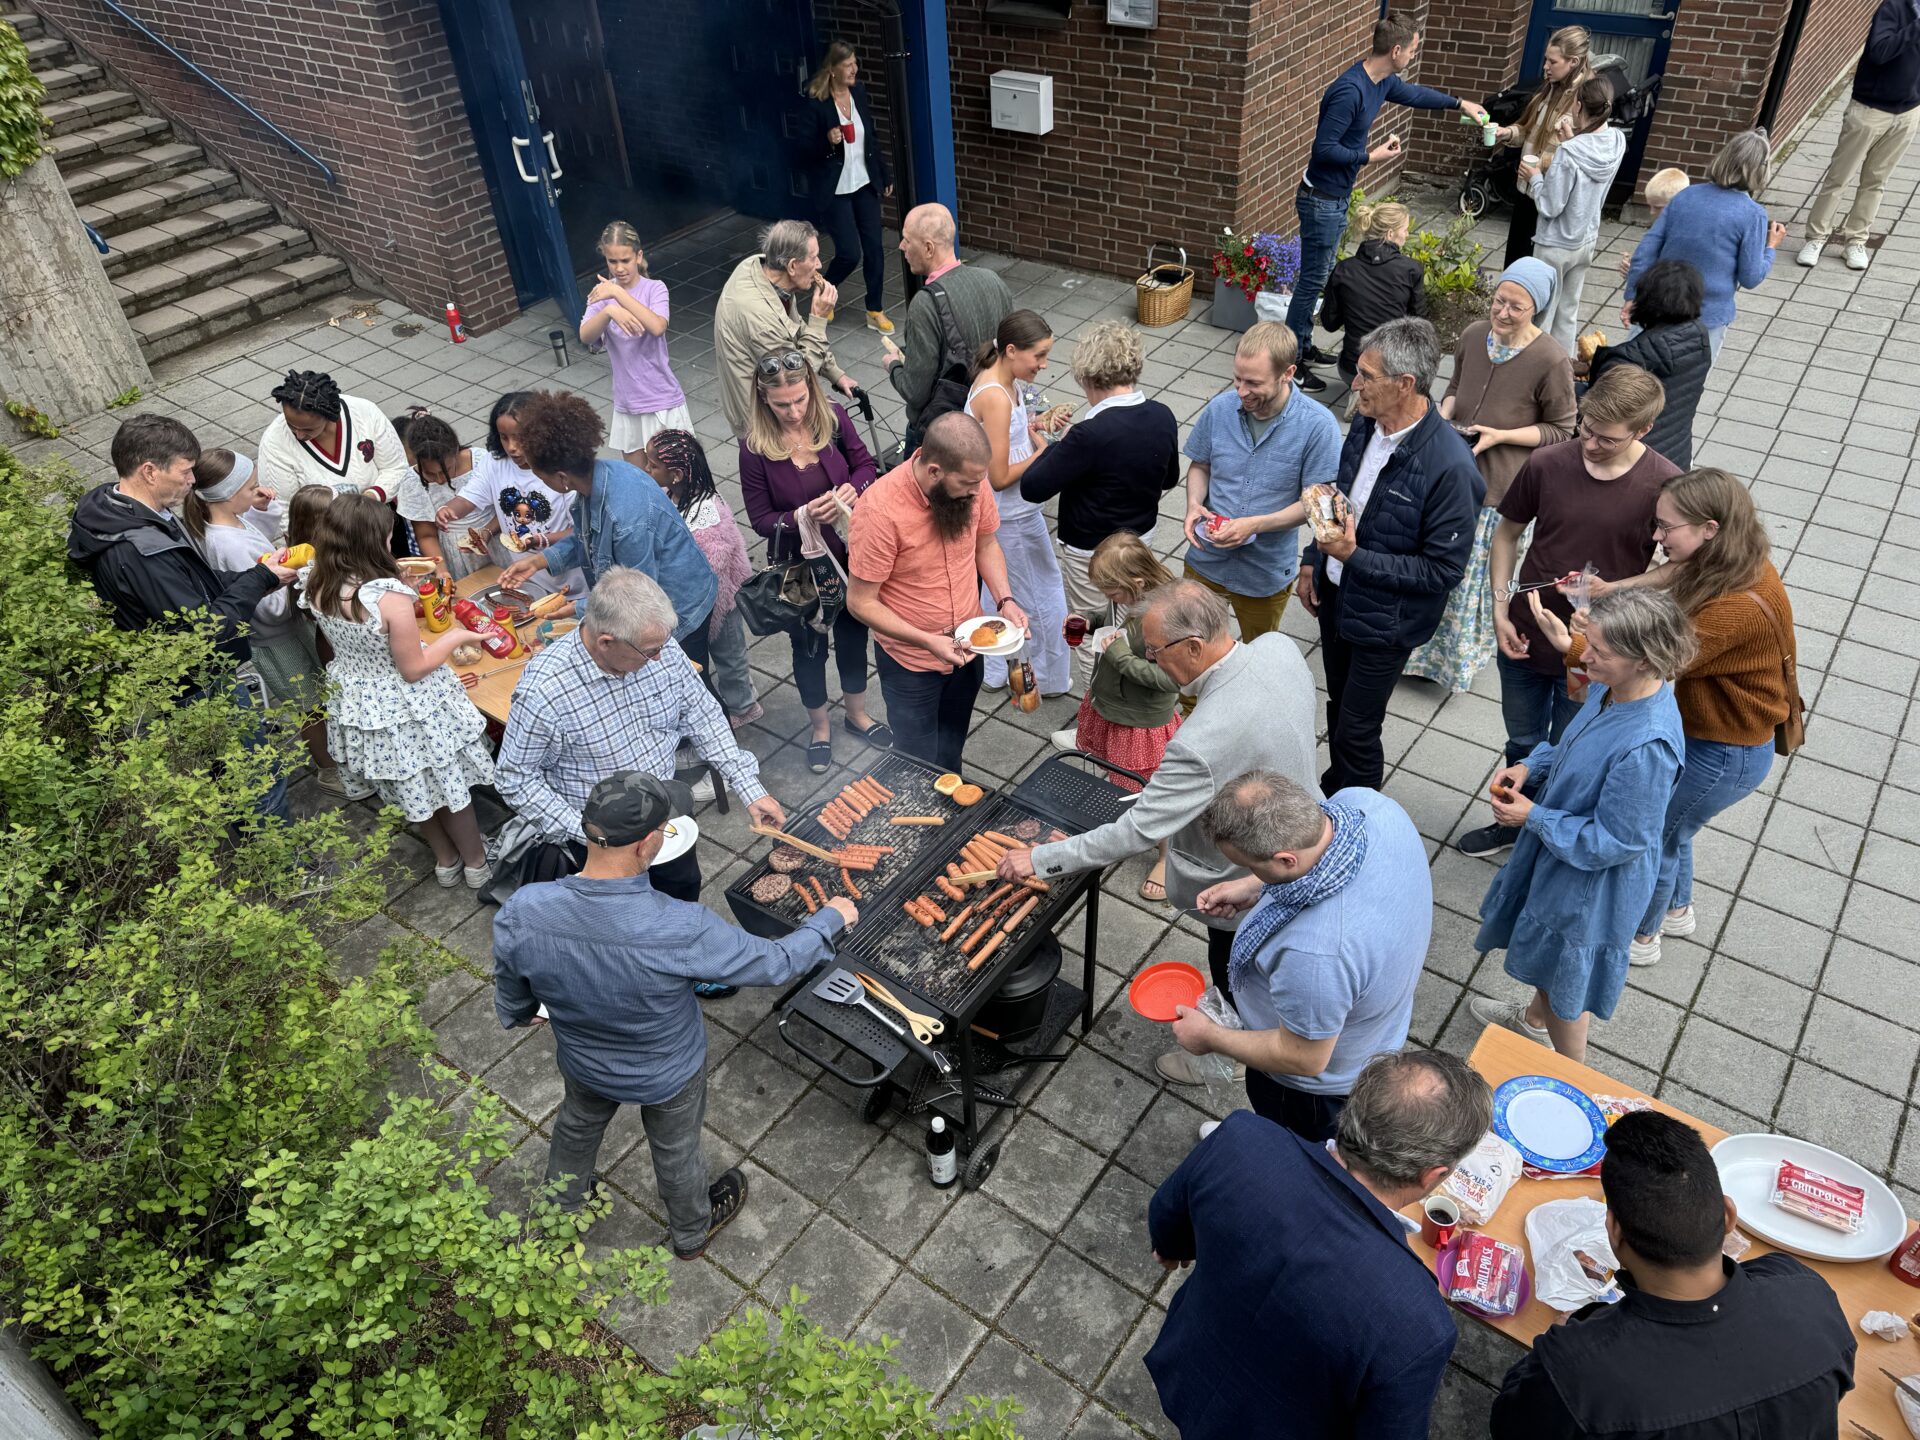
(322, 437)
(678, 463)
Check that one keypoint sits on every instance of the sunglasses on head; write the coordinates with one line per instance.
(776, 369)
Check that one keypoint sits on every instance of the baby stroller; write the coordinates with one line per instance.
(1492, 176)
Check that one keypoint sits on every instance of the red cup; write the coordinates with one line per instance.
(1439, 1221)
(1075, 629)
(846, 132)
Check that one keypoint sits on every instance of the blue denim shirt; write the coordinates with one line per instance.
(626, 519)
(1301, 447)
(615, 963)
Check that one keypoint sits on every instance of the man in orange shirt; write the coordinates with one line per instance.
(921, 545)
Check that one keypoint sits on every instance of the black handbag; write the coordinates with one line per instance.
(790, 595)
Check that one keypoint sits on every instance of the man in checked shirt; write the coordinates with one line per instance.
(617, 694)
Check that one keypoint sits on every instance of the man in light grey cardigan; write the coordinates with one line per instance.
(1255, 712)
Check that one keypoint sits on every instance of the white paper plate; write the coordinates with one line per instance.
(1010, 646)
(1748, 1165)
(681, 832)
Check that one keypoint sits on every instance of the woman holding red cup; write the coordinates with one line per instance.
(851, 176)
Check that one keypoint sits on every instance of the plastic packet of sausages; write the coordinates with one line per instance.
(1820, 1198)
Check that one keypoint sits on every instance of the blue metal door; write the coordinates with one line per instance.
(517, 153)
(1639, 32)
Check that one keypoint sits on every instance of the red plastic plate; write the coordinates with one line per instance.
(1158, 988)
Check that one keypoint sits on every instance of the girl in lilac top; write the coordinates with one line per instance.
(626, 317)
(802, 452)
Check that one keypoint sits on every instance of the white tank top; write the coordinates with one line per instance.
(1019, 442)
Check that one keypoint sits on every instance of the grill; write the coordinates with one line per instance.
(910, 959)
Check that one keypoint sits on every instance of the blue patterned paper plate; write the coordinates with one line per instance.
(1553, 1125)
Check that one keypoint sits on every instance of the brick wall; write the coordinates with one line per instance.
(1716, 75)
(1829, 45)
(1470, 49)
(367, 85)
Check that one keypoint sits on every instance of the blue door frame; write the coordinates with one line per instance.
(1643, 36)
(521, 169)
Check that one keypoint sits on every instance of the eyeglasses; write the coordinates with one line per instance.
(1364, 376)
(1604, 442)
(646, 656)
(776, 369)
(1510, 307)
(1153, 652)
(1662, 529)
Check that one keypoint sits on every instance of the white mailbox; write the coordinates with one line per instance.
(1022, 102)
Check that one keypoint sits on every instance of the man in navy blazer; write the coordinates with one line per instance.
(1307, 1314)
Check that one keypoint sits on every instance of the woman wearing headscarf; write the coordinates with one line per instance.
(1511, 391)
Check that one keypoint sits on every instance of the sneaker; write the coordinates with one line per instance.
(828, 317)
(476, 876)
(724, 1199)
(1678, 923)
(1809, 255)
(338, 782)
(1488, 840)
(1177, 1067)
(715, 990)
(448, 875)
(1643, 952)
(1509, 1013)
(1316, 356)
(703, 789)
(1066, 741)
(877, 320)
(1308, 381)
(1856, 253)
(1207, 1127)
(753, 712)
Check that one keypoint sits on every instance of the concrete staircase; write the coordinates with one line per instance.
(193, 257)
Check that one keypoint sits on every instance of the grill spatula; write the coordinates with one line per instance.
(842, 987)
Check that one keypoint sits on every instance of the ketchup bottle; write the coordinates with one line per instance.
(456, 331)
(497, 642)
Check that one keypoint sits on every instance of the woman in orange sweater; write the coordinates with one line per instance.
(1738, 689)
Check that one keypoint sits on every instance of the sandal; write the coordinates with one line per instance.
(819, 756)
(877, 734)
(1154, 890)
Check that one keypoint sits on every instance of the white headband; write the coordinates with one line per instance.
(229, 487)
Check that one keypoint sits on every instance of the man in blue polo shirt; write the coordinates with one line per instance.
(1307, 1314)
(1252, 451)
(1340, 148)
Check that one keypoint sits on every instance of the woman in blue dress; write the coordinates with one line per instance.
(1565, 904)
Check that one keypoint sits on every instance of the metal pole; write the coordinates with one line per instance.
(1783, 64)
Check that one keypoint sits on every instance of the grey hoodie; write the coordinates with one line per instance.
(1570, 191)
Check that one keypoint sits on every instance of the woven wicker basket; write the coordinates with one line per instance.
(1165, 292)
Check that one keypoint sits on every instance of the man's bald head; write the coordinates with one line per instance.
(926, 238)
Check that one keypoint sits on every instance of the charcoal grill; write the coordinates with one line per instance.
(928, 975)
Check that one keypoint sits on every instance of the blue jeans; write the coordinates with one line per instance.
(673, 1143)
(1535, 707)
(274, 802)
(1323, 220)
(1713, 777)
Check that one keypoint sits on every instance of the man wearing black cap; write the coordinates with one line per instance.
(614, 963)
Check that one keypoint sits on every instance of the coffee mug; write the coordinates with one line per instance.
(1439, 1221)
(846, 132)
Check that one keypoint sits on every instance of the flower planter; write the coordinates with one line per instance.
(1232, 310)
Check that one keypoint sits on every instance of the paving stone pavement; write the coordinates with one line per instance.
(1795, 1007)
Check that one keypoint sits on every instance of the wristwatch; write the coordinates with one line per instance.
(1002, 603)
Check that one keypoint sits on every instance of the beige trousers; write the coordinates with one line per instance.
(1084, 598)
(1870, 145)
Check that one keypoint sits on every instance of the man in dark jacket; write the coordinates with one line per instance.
(1413, 495)
(1700, 1348)
(1874, 134)
(1307, 1315)
(126, 538)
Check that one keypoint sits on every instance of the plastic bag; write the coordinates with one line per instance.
(1219, 1009)
(1481, 1181)
(1573, 1264)
(1485, 1275)
(1272, 305)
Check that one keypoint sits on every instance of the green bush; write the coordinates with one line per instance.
(20, 95)
(211, 1219)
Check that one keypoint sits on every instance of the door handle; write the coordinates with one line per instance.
(553, 159)
(520, 142)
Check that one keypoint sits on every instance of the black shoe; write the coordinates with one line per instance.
(819, 756)
(714, 990)
(1316, 356)
(724, 1199)
(1488, 840)
(877, 734)
(1308, 381)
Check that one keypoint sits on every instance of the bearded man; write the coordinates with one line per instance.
(920, 547)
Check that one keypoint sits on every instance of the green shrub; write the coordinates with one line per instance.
(20, 95)
(203, 1230)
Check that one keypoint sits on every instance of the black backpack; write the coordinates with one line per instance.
(956, 365)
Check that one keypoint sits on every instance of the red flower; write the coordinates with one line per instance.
(1247, 251)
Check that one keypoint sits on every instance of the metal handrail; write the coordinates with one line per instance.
(281, 135)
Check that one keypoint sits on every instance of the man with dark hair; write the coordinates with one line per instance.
(1308, 1315)
(920, 547)
(127, 539)
(1340, 148)
(1700, 1347)
(1334, 922)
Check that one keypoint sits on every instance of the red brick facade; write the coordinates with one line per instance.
(1829, 45)
(369, 87)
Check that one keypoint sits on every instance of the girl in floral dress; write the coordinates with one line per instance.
(398, 718)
